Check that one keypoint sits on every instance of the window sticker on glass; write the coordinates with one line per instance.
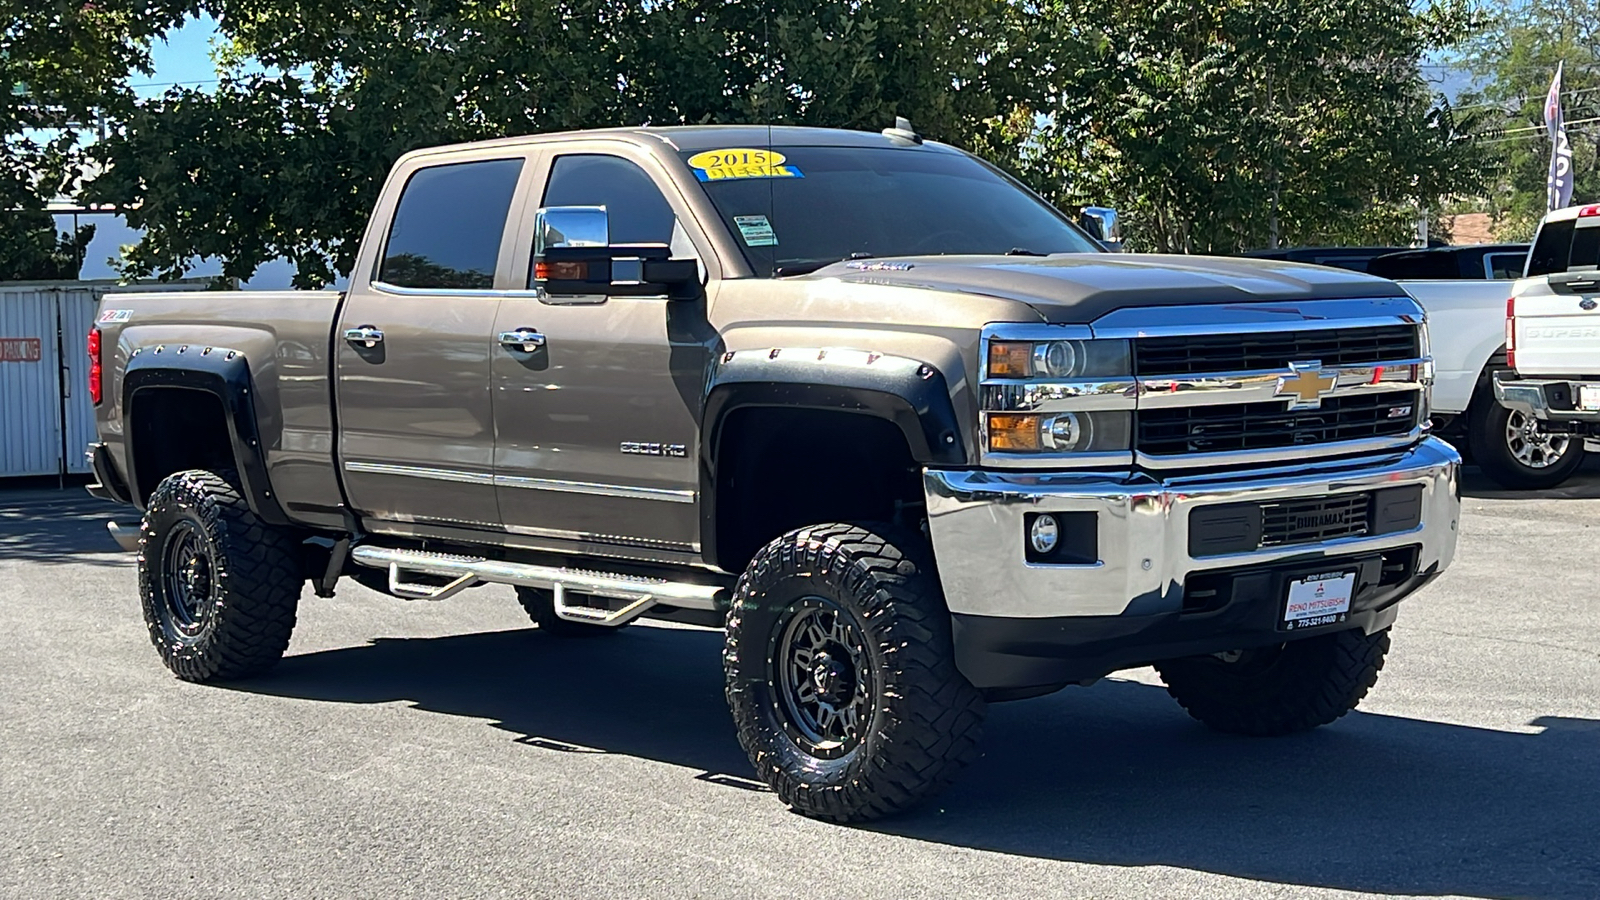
(722, 165)
(757, 231)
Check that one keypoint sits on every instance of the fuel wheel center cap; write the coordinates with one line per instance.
(833, 679)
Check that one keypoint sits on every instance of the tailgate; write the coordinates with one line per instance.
(1558, 329)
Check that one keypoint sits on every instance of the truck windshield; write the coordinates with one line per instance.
(796, 209)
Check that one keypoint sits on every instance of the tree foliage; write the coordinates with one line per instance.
(290, 165)
(1214, 124)
(62, 64)
(1250, 123)
(1514, 57)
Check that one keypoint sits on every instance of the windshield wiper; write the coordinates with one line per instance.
(812, 265)
(1024, 251)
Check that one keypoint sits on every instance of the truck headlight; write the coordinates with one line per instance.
(1062, 432)
(1057, 359)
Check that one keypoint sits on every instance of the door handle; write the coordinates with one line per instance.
(525, 339)
(366, 335)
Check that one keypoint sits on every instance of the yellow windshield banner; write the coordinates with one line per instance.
(741, 162)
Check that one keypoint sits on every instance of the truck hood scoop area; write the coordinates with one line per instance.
(1077, 288)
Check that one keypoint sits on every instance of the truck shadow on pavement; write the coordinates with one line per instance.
(59, 527)
(1585, 485)
(1114, 775)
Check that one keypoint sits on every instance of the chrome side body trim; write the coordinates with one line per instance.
(976, 519)
(599, 584)
(540, 484)
(429, 473)
(588, 487)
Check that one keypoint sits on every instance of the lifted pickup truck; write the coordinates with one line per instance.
(892, 421)
(1553, 330)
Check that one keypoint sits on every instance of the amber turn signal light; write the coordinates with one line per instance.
(1010, 359)
(561, 271)
(1013, 432)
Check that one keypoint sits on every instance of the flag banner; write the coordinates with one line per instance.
(1559, 182)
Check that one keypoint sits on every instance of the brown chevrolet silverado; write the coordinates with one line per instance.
(896, 424)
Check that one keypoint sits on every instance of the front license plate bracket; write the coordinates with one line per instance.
(1318, 599)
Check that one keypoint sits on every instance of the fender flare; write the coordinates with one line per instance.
(225, 374)
(911, 395)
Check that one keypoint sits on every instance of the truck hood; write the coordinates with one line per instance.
(1077, 288)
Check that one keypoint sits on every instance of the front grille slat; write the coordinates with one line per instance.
(1264, 426)
(1210, 353)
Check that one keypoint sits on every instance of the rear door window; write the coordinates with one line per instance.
(1551, 248)
(448, 225)
(1504, 265)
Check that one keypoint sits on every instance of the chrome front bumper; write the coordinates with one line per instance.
(977, 524)
(1549, 399)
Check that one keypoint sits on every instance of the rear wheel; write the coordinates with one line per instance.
(1515, 450)
(841, 676)
(218, 586)
(1280, 689)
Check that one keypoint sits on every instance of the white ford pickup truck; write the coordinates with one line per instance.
(1553, 330)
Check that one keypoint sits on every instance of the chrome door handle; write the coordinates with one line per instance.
(365, 334)
(525, 339)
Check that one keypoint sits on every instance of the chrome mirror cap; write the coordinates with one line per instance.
(571, 226)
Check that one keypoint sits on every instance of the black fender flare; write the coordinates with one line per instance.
(912, 395)
(225, 374)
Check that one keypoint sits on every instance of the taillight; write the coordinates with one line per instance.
(95, 393)
(1587, 211)
(1511, 332)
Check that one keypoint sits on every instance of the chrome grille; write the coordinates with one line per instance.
(1265, 426)
(1205, 353)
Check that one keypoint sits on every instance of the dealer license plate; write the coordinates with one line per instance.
(1318, 600)
(1589, 397)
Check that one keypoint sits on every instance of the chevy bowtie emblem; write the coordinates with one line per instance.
(1306, 385)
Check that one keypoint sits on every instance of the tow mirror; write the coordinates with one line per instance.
(573, 255)
(1101, 223)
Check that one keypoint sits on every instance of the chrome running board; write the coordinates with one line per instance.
(469, 571)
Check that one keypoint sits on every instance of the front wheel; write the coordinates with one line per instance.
(1279, 689)
(841, 676)
(1515, 450)
(219, 587)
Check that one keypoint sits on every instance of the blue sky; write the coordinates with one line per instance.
(185, 56)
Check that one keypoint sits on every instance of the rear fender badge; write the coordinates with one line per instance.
(643, 448)
(114, 315)
(1587, 304)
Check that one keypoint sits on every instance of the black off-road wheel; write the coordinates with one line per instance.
(1282, 689)
(1515, 450)
(540, 606)
(841, 676)
(219, 586)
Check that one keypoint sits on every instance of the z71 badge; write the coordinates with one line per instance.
(639, 448)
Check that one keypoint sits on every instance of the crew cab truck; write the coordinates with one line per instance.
(1553, 331)
(862, 400)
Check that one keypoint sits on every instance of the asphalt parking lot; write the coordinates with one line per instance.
(449, 750)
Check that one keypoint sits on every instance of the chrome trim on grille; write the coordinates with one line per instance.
(1059, 396)
(1263, 386)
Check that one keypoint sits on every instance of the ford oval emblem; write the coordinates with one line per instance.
(1587, 304)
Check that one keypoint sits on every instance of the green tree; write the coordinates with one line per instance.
(63, 64)
(1514, 57)
(290, 164)
(1224, 126)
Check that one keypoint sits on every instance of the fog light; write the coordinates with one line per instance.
(1044, 533)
